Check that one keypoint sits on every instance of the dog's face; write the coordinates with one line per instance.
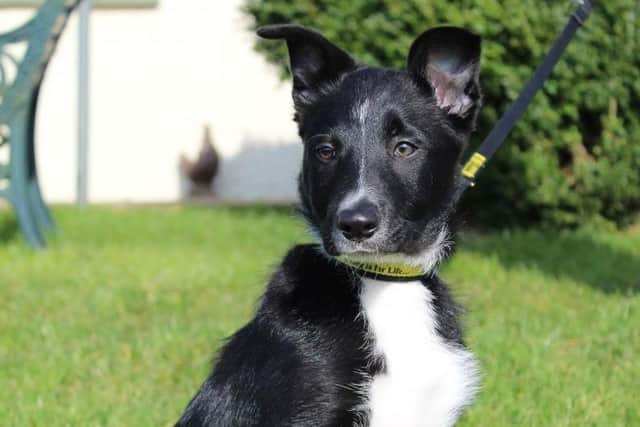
(382, 147)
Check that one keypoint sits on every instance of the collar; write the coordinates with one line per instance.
(388, 271)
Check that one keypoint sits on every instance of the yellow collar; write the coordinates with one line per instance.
(393, 271)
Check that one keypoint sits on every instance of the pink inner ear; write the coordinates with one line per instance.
(449, 89)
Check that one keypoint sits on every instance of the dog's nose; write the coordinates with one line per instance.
(358, 222)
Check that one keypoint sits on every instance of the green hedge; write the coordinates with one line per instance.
(575, 156)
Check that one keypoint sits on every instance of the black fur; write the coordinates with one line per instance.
(306, 358)
(296, 362)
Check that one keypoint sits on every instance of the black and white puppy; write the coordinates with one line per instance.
(358, 330)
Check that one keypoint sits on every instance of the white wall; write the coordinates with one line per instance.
(157, 77)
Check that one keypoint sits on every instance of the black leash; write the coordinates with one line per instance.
(501, 130)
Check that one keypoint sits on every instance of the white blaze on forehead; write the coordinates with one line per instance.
(361, 113)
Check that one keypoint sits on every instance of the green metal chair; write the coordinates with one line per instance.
(20, 81)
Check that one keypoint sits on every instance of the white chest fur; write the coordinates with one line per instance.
(427, 381)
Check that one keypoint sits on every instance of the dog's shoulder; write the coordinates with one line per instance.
(295, 361)
(306, 263)
(310, 284)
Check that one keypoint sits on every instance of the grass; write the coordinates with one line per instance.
(115, 324)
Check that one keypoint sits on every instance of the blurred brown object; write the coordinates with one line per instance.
(203, 170)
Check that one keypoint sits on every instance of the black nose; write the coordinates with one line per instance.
(358, 222)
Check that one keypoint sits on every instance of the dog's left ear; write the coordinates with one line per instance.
(448, 59)
(315, 61)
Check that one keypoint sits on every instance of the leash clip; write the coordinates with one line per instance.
(471, 168)
(582, 13)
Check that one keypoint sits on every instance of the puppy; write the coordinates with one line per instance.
(358, 330)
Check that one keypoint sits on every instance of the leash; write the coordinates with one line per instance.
(507, 122)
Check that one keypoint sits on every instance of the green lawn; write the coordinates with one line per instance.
(116, 323)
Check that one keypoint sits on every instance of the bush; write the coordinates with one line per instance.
(575, 156)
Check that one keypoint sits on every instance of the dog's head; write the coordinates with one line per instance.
(382, 147)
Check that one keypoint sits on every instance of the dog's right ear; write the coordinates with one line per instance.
(315, 61)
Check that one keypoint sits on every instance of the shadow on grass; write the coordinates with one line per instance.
(579, 257)
(8, 227)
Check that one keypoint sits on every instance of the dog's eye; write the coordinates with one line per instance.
(404, 149)
(325, 152)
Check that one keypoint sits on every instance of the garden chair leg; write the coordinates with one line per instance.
(19, 186)
(18, 105)
(40, 210)
(27, 221)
